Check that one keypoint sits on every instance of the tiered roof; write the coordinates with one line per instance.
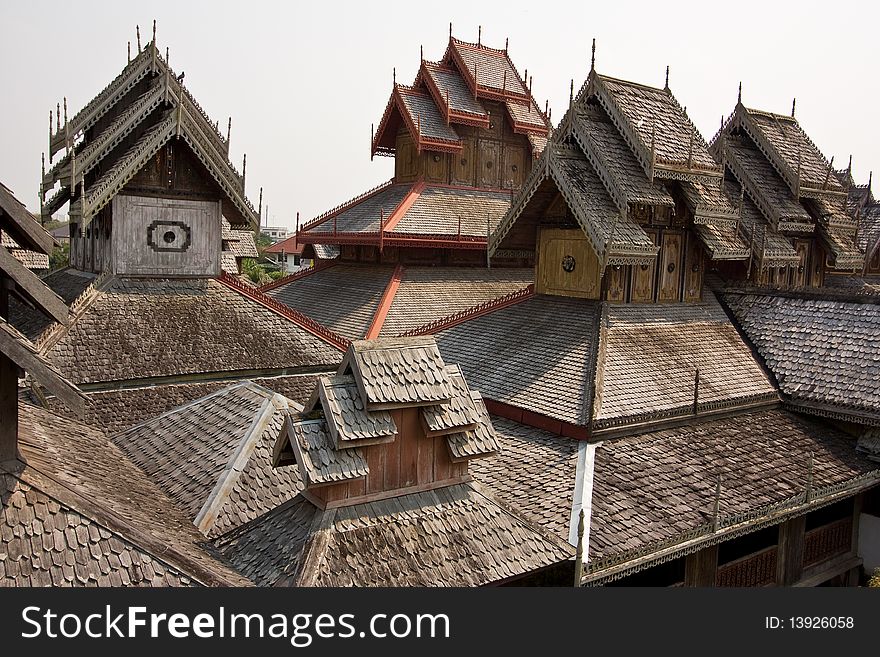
(623, 145)
(117, 132)
(795, 189)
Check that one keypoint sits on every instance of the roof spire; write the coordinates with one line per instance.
(129, 52)
(394, 75)
(228, 132)
(297, 222)
(593, 56)
(530, 86)
(372, 138)
(154, 33)
(421, 52)
(828, 173)
(571, 93)
(138, 29)
(666, 86)
(793, 104)
(154, 51)
(243, 170)
(870, 176)
(260, 206)
(57, 117)
(739, 95)
(167, 55)
(849, 166)
(450, 29)
(506, 43)
(479, 35)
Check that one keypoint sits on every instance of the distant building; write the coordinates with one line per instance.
(277, 233)
(61, 234)
(287, 254)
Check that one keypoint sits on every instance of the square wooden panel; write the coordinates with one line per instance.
(616, 277)
(642, 277)
(514, 167)
(405, 158)
(567, 265)
(670, 267)
(435, 166)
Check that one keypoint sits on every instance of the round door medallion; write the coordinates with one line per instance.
(568, 263)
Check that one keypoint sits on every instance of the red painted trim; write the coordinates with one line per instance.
(385, 303)
(536, 420)
(284, 280)
(481, 91)
(475, 311)
(403, 207)
(453, 116)
(301, 320)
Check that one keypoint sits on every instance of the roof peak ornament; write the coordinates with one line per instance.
(593, 56)
(479, 35)
(666, 85)
(138, 31)
(450, 29)
(129, 52)
(739, 94)
(793, 105)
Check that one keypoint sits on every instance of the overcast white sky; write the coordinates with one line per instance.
(304, 81)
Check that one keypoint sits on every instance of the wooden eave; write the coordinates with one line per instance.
(21, 225)
(29, 286)
(483, 91)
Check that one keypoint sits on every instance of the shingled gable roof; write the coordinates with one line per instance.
(78, 513)
(791, 152)
(240, 243)
(213, 456)
(613, 235)
(30, 259)
(416, 110)
(822, 352)
(662, 137)
(165, 110)
(21, 226)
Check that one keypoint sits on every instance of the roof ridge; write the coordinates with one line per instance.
(234, 467)
(385, 303)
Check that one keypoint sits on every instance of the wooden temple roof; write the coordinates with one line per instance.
(165, 110)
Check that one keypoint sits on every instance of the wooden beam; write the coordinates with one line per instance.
(21, 225)
(15, 347)
(29, 285)
(790, 553)
(700, 568)
(8, 409)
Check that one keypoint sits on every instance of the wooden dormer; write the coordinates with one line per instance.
(394, 420)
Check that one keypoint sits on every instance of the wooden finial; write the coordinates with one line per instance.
(479, 35)
(372, 139)
(793, 105)
(57, 117)
(506, 43)
(394, 75)
(571, 92)
(526, 74)
(579, 555)
(154, 32)
(530, 85)
(297, 222)
(722, 122)
(228, 130)
(593, 56)
(870, 176)
(167, 55)
(546, 106)
(260, 206)
(666, 86)
(828, 173)
(421, 52)
(138, 29)
(450, 29)
(129, 52)
(739, 94)
(849, 166)
(243, 169)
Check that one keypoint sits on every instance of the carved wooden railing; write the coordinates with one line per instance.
(342, 206)
(758, 569)
(470, 313)
(298, 318)
(827, 541)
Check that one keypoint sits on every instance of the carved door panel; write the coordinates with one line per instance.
(435, 166)
(642, 278)
(616, 290)
(670, 267)
(514, 165)
(463, 165)
(799, 275)
(693, 269)
(489, 164)
(405, 158)
(817, 265)
(567, 265)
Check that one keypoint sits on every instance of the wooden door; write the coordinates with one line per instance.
(463, 165)
(488, 163)
(514, 167)
(693, 269)
(642, 277)
(670, 267)
(799, 275)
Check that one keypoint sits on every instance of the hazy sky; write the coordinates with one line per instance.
(304, 81)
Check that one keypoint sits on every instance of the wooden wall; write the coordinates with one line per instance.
(566, 264)
(496, 157)
(165, 237)
(411, 461)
